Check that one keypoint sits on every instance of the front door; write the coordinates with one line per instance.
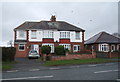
(35, 47)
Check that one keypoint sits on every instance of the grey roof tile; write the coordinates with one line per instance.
(47, 25)
(103, 37)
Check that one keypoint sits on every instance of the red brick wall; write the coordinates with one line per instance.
(77, 56)
(20, 53)
(64, 40)
(114, 54)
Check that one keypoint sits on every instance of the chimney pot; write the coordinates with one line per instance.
(53, 18)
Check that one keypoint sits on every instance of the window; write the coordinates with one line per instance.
(51, 45)
(103, 47)
(112, 47)
(48, 34)
(21, 47)
(76, 48)
(118, 47)
(33, 34)
(77, 35)
(21, 34)
(67, 46)
(64, 34)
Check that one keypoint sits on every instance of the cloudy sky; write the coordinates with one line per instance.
(93, 17)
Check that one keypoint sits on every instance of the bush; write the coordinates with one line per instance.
(46, 49)
(8, 53)
(59, 50)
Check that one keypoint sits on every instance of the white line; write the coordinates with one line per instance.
(92, 65)
(118, 79)
(12, 71)
(74, 66)
(34, 69)
(105, 71)
(54, 68)
(29, 77)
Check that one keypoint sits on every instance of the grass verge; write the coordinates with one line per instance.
(72, 62)
(7, 65)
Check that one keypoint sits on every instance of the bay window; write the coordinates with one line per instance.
(66, 46)
(103, 47)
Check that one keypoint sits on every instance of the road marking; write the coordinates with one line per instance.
(12, 71)
(34, 69)
(105, 71)
(54, 68)
(109, 64)
(118, 79)
(74, 66)
(29, 77)
(92, 65)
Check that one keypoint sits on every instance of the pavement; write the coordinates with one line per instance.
(27, 69)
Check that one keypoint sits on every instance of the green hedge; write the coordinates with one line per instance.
(59, 50)
(8, 53)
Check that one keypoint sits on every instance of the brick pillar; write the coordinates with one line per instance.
(15, 35)
(83, 40)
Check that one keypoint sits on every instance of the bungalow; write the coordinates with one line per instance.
(103, 42)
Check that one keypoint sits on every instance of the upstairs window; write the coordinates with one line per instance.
(21, 34)
(33, 34)
(77, 35)
(64, 34)
(48, 34)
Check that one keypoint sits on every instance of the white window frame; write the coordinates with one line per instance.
(33, 34)
(113, 49)
(48, 34)
(19, 47)
(67, 46)
(77, 35)
(101, 47)
(51, 45)
(64, 34)
(118, 46)
(76, 48)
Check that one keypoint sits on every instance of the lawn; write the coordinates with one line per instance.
(7, 65)
(72, 62)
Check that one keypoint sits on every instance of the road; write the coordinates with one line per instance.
(105, 71)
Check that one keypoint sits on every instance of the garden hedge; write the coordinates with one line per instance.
(8, 53)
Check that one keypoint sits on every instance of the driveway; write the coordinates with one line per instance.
(24, 64)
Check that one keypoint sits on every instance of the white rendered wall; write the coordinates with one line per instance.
(56, 36)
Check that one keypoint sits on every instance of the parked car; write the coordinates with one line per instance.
(33, 54)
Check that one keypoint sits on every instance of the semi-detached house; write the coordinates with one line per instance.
(33, 35)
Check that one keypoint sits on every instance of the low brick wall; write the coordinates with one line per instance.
(114, 54)
(74, 56)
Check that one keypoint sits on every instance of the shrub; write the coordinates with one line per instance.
(46, 49)
(8, 53)
(59, 50)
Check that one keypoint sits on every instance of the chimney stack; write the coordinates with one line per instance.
(53, 18)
